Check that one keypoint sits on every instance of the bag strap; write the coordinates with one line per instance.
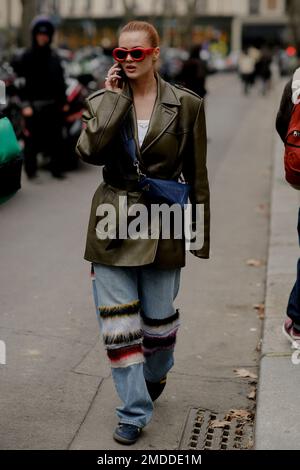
(129, 144)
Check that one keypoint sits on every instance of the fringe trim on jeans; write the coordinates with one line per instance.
(160, 335)
(126, 356)
(122, 333)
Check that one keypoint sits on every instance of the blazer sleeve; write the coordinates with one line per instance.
(195, 172)
(100, 126)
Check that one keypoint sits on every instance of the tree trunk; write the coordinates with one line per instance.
(129, 10)
(188, 22)
(8, 24)
(28, 13)
(169, 16)
(183, 25)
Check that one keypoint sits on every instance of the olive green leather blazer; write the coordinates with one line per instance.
(175, 144)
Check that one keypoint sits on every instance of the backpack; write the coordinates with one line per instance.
(10, 160)
(292, 149)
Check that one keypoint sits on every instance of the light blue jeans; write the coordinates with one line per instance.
(139, 324)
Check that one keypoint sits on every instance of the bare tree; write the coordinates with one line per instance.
(169, 18)
(293, 12)
(182, 23)
(188, 22)
(88, 8)
(72, 7)
(29, 9)
(8, 23)
(172, 20)
(154, 12)
(129, 7)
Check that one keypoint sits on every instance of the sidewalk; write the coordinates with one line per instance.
(277, 423)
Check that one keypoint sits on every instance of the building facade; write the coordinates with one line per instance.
(237, 20)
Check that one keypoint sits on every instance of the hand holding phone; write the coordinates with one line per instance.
(115, 79)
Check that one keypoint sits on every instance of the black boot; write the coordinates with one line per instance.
(155, 389)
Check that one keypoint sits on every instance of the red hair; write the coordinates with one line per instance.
(147, 28)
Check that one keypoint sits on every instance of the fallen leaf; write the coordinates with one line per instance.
(239, 414)
(244, 373)
(219, 424)
(260, 310)
(250, 444)
(252, 394)
(255, 262)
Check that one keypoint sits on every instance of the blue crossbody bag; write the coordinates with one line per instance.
(170, 191)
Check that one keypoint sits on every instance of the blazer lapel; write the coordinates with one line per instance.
(164, 113)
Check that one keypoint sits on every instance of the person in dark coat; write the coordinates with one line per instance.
(263, 70)
(290, 97)
(43, 97)
(194, 72)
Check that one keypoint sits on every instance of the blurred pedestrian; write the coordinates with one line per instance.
(44, 98)
(137, 279)
(246, 69)
(255, 53)
(194, 72)
(263, 70)
(290, 98)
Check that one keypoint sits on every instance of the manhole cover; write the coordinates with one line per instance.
(207, 430)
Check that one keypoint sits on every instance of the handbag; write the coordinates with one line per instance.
(292, 149)
(170, 191)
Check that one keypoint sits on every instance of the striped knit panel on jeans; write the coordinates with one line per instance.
(159, 338)
(122, 333)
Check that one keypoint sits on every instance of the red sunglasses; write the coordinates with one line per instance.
(137, 53)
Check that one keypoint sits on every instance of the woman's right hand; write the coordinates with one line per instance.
(113, 79)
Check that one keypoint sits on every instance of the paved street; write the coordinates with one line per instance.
(55, 390)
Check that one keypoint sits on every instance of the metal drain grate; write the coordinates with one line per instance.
(200, 434)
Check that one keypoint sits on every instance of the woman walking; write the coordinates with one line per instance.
(137, 280)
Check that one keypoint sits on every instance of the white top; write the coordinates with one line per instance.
(143, 125)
